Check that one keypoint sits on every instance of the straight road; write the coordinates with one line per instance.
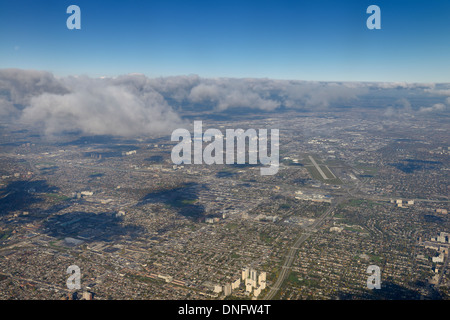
(286, 268)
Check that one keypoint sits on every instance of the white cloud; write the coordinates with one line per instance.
(434, 107)
(133, 104)
(98, 107)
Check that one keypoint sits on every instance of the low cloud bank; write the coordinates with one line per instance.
(132, 105)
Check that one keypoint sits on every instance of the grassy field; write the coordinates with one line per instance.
(367, 169)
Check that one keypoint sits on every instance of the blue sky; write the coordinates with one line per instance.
(304, 40)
